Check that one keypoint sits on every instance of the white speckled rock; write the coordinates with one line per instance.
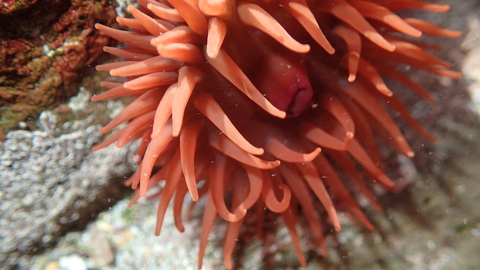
(51, 181)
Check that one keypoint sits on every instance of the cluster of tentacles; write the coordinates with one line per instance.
(247, 104)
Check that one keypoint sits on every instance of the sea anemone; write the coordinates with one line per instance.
(254, 105)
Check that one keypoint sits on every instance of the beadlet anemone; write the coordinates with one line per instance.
(254, 105)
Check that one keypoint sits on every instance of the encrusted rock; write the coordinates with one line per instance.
(45, 46)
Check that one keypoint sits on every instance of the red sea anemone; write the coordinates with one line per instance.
(249, 104)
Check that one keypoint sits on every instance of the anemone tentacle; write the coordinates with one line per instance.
(257, 100)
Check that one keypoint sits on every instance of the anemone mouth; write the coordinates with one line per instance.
(258, 99)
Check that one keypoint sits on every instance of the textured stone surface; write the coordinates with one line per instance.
(51, 181)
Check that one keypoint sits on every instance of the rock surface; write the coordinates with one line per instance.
(52, 182)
